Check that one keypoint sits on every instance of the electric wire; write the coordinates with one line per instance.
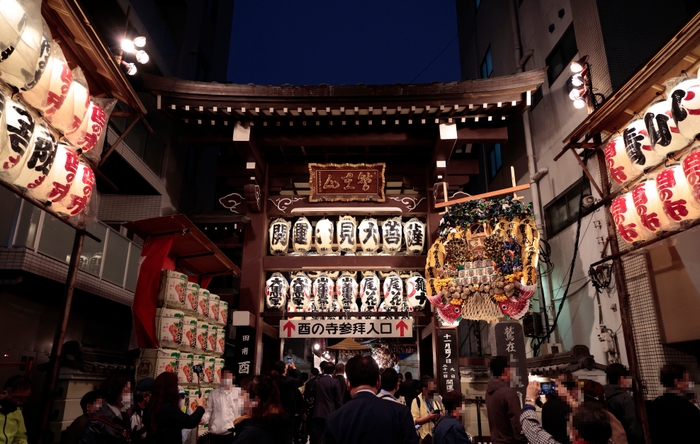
(435, 59)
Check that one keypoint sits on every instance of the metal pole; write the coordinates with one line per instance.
(59, 337)
(478, 419)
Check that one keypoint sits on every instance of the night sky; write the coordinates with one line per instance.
(309, 42)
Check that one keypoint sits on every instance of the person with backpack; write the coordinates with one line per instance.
(327, 399)
(426, 409)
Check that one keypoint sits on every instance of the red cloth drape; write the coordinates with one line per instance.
(154, 256)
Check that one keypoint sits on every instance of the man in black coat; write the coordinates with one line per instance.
(672, 418)
(367, 418)
(327, 400)
(338, 374)
(288, 383)
(409, 389)
(621, 404)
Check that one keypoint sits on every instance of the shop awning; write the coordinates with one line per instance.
(348, 344)
(192, 251)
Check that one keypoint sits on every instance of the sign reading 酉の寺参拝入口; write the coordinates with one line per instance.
(448, 360)
(351, 328)
(347, 182)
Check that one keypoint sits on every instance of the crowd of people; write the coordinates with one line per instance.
(356, 403)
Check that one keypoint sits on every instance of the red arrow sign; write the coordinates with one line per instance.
(289, 326)
(402, 327)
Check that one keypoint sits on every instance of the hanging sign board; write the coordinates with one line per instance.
(360, 328)
(508, 340)
(244, 352)
(448, 360)
(347, 182)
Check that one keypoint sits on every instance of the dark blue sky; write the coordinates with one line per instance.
(309, 42)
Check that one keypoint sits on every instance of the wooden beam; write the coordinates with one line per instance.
(588, 173)
(427, 331)
(484, 196)
(118, 141)
(482, 135)
(269, 330)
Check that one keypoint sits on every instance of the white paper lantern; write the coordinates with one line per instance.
(301, 235)
(619, 164)
(650, 208)
(19, 126)
(90, 130)
(40, 160)
(638, 145)
(392, 235)
(323, 291)
(79, 194)
(691, 169)
(324, 236)
(416, 291)
(279, 236)
(13, 21)
(70, 115)
(370, 292)
(663, 133)
(58, 182)
(685, 104)
(414, 234)
(346, 289)
(58, 85)
(347, 234)
(276, 290)
(405, 308)
(22, 68)
(335, 308)
(627, 223)
(393, 290)
(676, 194)
(369, 235)
(299, 293)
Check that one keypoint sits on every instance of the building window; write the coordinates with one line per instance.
(564, 209)
(536, 97)
(487, 65)
(561, 55)
(495, 160)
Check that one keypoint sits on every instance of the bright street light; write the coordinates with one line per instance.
(142, 56)
(140, 41)
(577, 80)
(127, 46)
(579, 103)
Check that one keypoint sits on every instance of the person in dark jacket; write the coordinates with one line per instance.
(267, 417)
(449, 428)
(339, 375)
(109, 425)
(288, 380)
(327, 400)
(90, 403)
(503, 405)
(672, 418)
(166, 419)
(621, 404)
(409, 389)
(555, 417)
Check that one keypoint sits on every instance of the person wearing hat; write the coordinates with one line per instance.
(141, 397)
(449, 428)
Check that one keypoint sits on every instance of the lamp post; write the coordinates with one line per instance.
(132, 47)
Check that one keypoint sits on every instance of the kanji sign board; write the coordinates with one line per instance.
(347, 182)
(448, 360)
(358, 328)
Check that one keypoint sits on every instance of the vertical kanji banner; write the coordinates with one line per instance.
(244, 353)
(447, 353)
(510, 342)
(154, 256)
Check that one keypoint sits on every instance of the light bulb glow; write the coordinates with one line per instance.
(317, 346)
(127, 45)
(577, 80)
(575, 94)
(131, 69)
(140, 41)
(576, 67)
(142, 56)
(579, 103)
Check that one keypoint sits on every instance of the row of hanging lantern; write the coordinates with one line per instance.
(660, 204)
(667, 126)
(371, 235)
(49, 121)
(322, 294)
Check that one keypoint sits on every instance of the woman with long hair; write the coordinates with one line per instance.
(166, 418)
(267, 417)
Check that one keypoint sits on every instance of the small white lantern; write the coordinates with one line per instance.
(324, 236)
(79, 194)
(299, 293)
(276, 290)
(691, 169)
(416, 291)
(59, 83)
(685, 105)
(663, 133)
(619, 164)
(346, 289)
(19, 69)
(324, 292)
(40, 160)
(414, 234)
(347, 234)
(13, 21)
(369, 235)
(392, 235)
(58, 182)
(649, 207)
(279, 236)
(393, 290)
(626, 220)
(676, 194)
(301, 235)
(370, 291)
(86, 136)
(639, 146)
(19, 127)
(70, 116)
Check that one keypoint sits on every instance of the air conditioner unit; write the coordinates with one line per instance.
(552, 348)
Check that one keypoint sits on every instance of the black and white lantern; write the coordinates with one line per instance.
(325, 231)
(393, 290)
(279, 236)
(19, 127)
(347, 234)
(369, 235)
(299, 293)
(415, 291)
(346, 290)
(370, 291)
(414, 234)
(301, 235)
(324, 292)
(276, 290)
(392, 235)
